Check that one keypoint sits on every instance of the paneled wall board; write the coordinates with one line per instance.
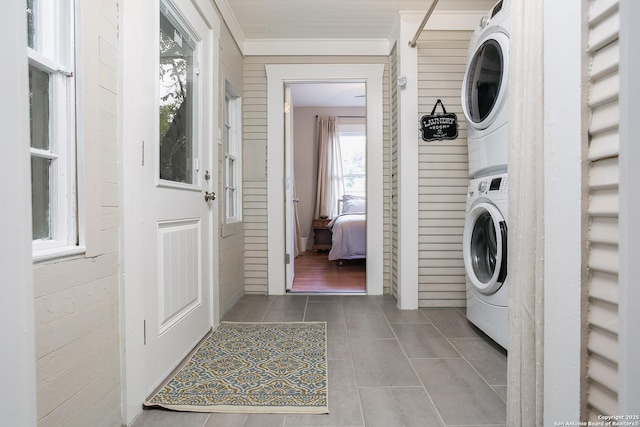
(443, 172)
(603, 209)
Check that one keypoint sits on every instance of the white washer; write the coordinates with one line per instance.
(485, 255)
(485, 93)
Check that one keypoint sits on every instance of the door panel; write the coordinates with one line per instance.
(179, 270)
(290, 222)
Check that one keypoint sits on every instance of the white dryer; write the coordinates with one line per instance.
(485, 255)
(485, 93)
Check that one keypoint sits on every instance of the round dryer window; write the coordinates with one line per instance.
(484, 80)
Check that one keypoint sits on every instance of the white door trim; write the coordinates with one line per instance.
(563, 176)
(277, 76)
(629, 370)
(18, 403)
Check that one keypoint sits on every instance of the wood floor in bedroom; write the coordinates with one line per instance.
(315, 273)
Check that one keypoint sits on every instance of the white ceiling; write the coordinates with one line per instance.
(316, 27)
(332, 19)
(328, 95)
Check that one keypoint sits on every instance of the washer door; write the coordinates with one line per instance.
(484, 89)
(485, 247)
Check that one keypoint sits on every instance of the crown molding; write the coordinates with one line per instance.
(229, 18)
(315, 47)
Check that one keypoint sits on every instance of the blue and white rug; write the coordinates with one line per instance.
(253, 368)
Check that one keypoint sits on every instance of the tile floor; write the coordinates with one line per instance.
(387, 367)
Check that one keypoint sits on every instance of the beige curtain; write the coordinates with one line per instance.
(330, 184)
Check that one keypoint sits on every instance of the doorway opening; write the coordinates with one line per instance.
(327, 168)
(278, 76)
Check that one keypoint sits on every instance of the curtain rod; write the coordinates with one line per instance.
(413, 41)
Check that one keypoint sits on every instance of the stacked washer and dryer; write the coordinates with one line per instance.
(485, 106)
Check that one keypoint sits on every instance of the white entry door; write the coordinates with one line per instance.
(179, 203)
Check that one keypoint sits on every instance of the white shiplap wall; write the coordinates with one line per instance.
(443, 172)
(386, 175)
(393, 152)
(255, 165)
(603, 209)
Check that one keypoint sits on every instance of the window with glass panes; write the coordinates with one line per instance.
(232, 141)
(353, 148)
(50, 52)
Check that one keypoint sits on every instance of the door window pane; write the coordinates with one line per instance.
(40, 198)
(176, 103)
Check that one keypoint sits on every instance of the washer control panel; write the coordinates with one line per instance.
(490, 185)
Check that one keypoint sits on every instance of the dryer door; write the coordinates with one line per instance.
(484, 88)
(485, 247)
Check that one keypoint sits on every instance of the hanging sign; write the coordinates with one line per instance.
(439, 126)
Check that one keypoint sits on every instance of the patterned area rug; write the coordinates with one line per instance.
(253, 367)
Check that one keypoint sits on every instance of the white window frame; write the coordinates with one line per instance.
(232, 148)
(54, 53)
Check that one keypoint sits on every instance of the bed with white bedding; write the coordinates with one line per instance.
(349, 229)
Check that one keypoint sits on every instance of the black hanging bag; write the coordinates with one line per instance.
(439, 126)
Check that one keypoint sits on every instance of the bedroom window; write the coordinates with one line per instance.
(232, 141)
(50, 53)
(353, 144)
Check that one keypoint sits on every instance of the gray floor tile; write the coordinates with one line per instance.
(423, 341)
(286, 308)
(163, 418)
(289, 303)
(373, 378)
(330, 312)
(460, 395)
(361, 304)
(398, 407)
(338, 342)
(283, 316)
(325, 298)
(451, 323)
(487, 357)
(395, 315)
(245, 420)
(501, 390)
(381, 362)
(257, 298)
(247, 311)
(344, 404)
(368, 324)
